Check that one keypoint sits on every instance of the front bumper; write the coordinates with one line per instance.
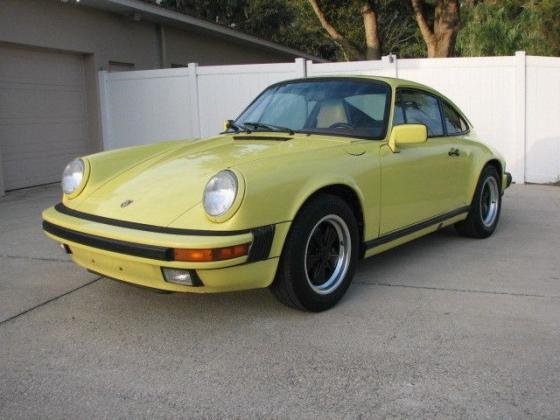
(137, 253)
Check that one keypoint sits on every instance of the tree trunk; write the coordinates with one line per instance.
(350, 52)
(373, 46)
(440, 40)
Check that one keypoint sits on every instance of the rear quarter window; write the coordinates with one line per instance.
(454, 123)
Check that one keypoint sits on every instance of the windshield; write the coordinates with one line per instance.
(348, 107)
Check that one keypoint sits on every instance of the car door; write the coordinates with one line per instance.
(421, 180)
(456, 128)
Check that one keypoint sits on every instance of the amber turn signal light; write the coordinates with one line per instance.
(213, 254)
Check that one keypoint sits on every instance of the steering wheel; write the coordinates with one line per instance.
(341, 125)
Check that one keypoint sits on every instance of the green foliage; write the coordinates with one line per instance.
(490, 27)
(293, 23)
(287, 22)
(501, 28)
(547, 18)
(397, 28)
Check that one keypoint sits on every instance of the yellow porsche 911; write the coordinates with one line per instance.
(314, 175)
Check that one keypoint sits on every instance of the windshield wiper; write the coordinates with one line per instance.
(230, 124)
(270, 127)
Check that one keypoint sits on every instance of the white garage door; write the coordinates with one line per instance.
(43, 116)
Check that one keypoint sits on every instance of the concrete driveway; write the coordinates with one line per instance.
(441, 327)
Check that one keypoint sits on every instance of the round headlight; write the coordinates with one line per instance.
(73, 176)
(220, 193)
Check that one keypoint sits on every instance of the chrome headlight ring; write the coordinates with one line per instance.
(74, 177)
(223, 195)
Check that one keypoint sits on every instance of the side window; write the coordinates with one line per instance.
(421, 108)
(398, 118)
(453, 121)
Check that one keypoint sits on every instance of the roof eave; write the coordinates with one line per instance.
(161, 15)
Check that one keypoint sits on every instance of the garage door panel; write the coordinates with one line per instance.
(20, 135)
(40, 67)
(54, 138)
(29, 103)
(43, 114)
(21, 174)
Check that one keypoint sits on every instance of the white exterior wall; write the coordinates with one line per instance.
(513, 102)
(543, 119)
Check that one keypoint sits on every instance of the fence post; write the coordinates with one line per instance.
(301, 68)
(193, 84)
(521, 109)
(308, 64)
(104, 111)
(390, 62)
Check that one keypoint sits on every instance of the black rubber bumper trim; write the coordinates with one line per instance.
(114, 245)
(61, 208)
(415, 228)
(262, 242)
(260, 247)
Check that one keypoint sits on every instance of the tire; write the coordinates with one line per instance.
(485, 208)
(313, 276)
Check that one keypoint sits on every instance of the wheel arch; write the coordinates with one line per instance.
(496, 164)
(477, 174)
(350, 196)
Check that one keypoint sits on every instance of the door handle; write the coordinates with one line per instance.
(454, 152)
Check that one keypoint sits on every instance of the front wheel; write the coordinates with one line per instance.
(485, 208)
(319, 256)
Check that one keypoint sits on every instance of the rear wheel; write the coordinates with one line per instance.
(485, 208)
(319, 256)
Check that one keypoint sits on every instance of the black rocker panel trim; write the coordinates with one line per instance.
(60, 207)
(414, 228)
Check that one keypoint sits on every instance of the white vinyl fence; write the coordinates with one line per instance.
(513, 102)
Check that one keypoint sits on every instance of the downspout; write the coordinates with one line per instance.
(162, 46)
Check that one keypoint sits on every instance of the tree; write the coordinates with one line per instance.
(351, 51)
(366, 29)
(331, 29)
(440, 31)
(281, 21)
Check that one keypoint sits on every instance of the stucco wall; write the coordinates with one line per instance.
(188, 47)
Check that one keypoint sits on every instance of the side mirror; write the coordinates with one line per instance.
(227, 124)
(407, 134)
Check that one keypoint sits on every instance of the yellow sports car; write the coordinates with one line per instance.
(314, 175)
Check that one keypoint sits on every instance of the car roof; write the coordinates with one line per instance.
(391, 81)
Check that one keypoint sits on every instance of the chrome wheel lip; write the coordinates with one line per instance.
(489, 201)
(343, 258)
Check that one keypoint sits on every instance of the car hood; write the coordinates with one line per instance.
(160, 189)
